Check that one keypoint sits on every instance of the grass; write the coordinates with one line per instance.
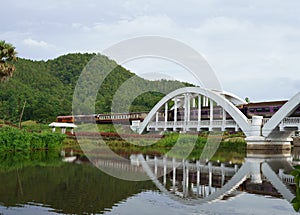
(185, 144)
(34, 136)
(14, 139)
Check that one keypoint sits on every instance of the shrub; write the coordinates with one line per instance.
(13, 139)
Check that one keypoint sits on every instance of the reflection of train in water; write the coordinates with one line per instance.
(103, 118)
(265, 109)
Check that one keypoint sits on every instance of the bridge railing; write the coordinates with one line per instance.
(285, 177)
(291, 120)
(265, 120)
(230, 122)
(202, 123)
(204, 168)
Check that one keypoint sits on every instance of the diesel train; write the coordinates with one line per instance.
(265, 109)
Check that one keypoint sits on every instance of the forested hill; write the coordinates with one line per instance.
(47, 87)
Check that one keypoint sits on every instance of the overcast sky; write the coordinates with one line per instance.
(253, 46)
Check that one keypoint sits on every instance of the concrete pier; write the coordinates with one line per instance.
(258, 142)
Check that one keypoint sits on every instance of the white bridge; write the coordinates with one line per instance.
(222, 115)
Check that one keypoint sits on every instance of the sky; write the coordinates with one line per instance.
(252, 46)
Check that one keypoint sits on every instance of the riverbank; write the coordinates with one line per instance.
(35, 136)
(15, 139)
(230, 147)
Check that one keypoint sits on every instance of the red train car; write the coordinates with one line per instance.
(65, 119)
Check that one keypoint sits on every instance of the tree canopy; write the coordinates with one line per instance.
(47, 87)
(7, 55)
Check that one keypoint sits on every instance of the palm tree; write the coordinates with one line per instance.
(7, 55)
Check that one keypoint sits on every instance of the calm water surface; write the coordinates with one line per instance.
(41, 183)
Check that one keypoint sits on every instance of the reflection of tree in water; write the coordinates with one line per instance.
(73, 188)
(68, 188)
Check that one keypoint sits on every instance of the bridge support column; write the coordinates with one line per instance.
(209, 177)
(187, 105)
(204, 99)
(156, 121)
(262, 143)
(258, 142)
(174, 174)
(155, 166)
(198, 177)
(211, 115)
(175, 114)
(223, 119)
(166, 115)
(199, 113)
(194, 103)
(223, 174)
(184, 113)
(165, 171)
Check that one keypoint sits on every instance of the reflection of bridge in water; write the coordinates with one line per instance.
(261, 173)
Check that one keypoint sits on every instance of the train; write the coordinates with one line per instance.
(265, 109)
(120, 118)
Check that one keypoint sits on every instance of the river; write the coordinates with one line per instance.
(43, 182)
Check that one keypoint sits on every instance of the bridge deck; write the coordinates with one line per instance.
(222, 125)
(196, 125)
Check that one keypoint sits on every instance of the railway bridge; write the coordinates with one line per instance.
(223, 114)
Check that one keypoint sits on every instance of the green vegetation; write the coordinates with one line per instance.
(13, 139)
(14, 160)
(296, 200)
(228, 150)
(47, 87)
(67, 188)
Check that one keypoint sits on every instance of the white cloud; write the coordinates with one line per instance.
(242, 41)
(37, 44)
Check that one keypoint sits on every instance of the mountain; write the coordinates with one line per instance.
(48, 86)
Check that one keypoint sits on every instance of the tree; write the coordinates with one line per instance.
(7, 55)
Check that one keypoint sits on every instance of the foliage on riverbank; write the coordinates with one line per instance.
(13, 139)
(198, 141)
(230, 149)
(296, 201)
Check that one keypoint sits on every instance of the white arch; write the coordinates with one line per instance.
(231, 97)
(283, 112)
(276, 182)
(229, 187)
(230, 108)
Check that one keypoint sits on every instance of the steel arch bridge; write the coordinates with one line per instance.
(279, 126)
